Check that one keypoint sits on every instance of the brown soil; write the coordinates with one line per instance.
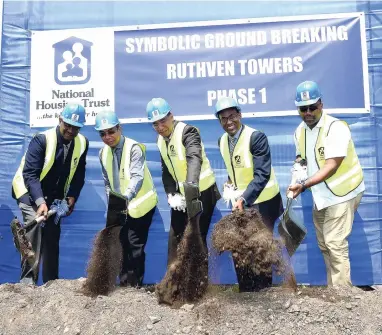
(252, 244)
(186, 279)
(105, 263)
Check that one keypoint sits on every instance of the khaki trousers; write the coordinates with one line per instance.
(333, 227)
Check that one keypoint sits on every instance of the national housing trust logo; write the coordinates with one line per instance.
(72, 61)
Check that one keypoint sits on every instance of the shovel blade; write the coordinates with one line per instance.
(291, 230)
(21, 242)
(116, 211)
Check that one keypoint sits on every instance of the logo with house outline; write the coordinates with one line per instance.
(72, 61)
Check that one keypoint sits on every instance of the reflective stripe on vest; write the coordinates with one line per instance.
(50, 155)
(147, 198)
(240, 166)
(174, 156)
(349, 174)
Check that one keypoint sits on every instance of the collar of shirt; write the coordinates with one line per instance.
(318, 125)
(236, 136)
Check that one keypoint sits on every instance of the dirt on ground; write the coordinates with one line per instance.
(192, 305)
(59, 307)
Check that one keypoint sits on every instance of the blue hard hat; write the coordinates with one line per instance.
(73, 114)
(224, 103)
(106, 120)
(157, 109)
(307, 93)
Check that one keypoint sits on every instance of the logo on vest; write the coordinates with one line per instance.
(321, 153)
(122, 174)
(75, 162)
(172, 150)
(237, 159)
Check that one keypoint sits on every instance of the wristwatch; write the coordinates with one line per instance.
(303, 186)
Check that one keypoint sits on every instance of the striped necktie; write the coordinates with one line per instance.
(116, 172)
(232, 143)
(66, 150)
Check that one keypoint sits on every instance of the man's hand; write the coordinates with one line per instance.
(239, 205)
(297, 189)
(42, 211)
(71, 202)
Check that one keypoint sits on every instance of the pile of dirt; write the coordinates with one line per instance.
(57, 308)
(251, 243)
(186, 279)
(105, 263)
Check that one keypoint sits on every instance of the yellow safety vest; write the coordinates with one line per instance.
(174, 156)
(349, 174)
(147, 198)
(50, 154)
(240, 167)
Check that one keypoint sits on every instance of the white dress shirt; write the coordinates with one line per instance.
(335, 145)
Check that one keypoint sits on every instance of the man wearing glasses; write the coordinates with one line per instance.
(125, 172)
(335, 178)
(52, 168)
(247, 157)
(185, 170)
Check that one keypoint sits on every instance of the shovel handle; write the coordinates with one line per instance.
(293, 181)
(41, 218)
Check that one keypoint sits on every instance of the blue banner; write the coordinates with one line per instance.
(259, 63)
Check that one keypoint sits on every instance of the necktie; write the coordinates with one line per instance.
(232, 143)
(66, 150)
(116, 173)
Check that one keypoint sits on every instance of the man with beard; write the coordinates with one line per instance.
(247, 157)
(335, 178)
(53, 168)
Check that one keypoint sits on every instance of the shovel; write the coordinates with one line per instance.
(291, 229)
(21, 240)
(106, 257)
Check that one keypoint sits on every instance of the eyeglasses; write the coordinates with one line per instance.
(232, 117)
(311, 108)
(110, 132)
(156, 124)
(69, 126)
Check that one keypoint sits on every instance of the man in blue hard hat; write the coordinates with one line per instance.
(52, 168)
(251, 179)
(125, 172)
(335, 178)
(186, 171)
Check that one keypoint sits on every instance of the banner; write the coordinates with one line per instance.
(258, 61)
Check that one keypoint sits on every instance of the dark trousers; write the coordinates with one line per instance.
(179, 219)
(248, 281)
(46, 244)
(133, 238)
